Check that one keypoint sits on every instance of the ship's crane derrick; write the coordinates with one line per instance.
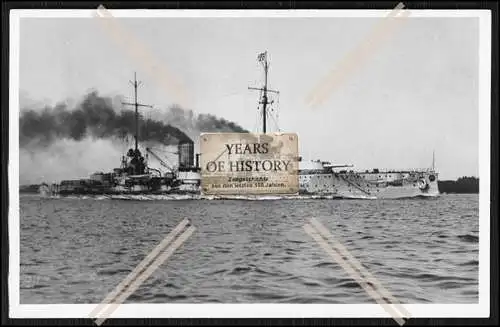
(163, 163)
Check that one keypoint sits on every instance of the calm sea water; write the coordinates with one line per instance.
(78, 250)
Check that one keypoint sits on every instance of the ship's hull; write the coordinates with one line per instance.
(335, 185)
(393, 185)
(316, 179)
(126, 185)
(390, 192)
(120, 190)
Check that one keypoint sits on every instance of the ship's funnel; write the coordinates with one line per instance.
(186, 154)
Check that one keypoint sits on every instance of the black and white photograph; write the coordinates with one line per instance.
(249, 163)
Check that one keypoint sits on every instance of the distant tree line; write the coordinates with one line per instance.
(33, 188)
(462, 185)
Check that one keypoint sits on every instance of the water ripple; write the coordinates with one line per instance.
(77, 250)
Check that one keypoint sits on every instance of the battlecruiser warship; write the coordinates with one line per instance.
(136, 176)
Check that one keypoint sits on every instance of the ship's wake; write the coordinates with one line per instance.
(177, 197)
(185, 197)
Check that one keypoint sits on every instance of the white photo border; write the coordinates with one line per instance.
(260, 310)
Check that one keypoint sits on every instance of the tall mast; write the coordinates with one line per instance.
(264, 100)
(264, 97)
(136, 84)
(136, 111)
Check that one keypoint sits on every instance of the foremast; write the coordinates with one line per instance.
(136, 165)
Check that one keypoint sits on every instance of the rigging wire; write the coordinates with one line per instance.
(278, 111)
(273, 113)
(275, 123)
(254, 128)
(163, 149)
(258, 115)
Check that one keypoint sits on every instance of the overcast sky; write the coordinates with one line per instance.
(417, 93)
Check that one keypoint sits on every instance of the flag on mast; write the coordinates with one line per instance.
(262, 56)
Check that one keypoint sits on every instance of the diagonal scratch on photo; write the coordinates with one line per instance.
(143, 271)
(340, 254)
(356, 58)
(213, 157)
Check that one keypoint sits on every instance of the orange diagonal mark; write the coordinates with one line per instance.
(356, 58)
(142, 271)
(142, 56)
(364, 278)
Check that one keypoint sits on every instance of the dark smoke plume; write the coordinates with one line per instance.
(93, 117)
(73, 140)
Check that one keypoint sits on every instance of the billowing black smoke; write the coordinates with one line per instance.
(93, 117)
(72, 141)
(210, 123)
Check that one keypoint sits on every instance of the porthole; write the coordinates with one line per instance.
(432, 178)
